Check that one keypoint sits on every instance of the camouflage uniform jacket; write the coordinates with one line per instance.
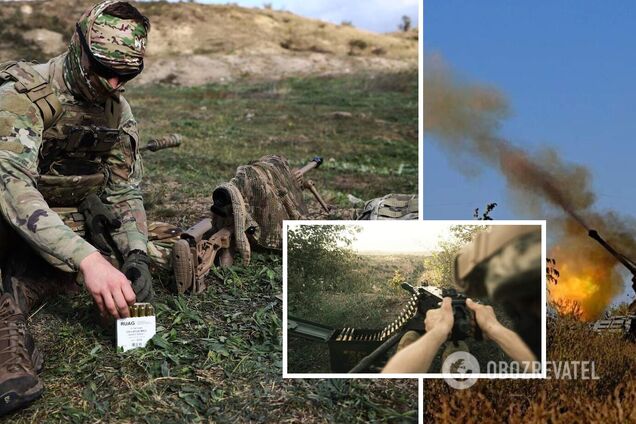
(27, 152)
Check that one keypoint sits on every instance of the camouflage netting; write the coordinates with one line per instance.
(269, 193)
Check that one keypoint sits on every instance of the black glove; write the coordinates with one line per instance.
(136, 270)
(100, 222)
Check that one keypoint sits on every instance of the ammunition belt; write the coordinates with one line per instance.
(408, 312)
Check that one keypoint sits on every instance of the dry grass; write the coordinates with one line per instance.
(610, 399)
(253, 38)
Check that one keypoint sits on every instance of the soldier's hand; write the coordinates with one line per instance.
(136, 270)
(110, 289)
(440, 320)
(485, 317)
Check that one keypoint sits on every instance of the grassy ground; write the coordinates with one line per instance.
(365, 127)
(374, 303)
(217, 356)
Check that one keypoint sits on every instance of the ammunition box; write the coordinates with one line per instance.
(344, 355)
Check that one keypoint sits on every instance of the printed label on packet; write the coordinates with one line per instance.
(135, 332)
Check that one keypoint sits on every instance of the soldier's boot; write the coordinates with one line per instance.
(452, 347)
(31, 291)
(408, 338)
(19, 382)
(36, 357)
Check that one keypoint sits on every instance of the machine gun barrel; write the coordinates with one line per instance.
(171, 140)
(629, 264)
(315, 163)
(309, 184)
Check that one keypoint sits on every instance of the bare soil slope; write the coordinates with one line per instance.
(192, 44)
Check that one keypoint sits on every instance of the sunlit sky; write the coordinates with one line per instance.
(400, 236)
(372, 15)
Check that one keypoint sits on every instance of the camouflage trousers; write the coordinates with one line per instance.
(26, 275)
(31, 279)
(161, 239)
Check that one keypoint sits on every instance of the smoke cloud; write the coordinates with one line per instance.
(466, 119)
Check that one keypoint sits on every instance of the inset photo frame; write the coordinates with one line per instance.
(458, 300)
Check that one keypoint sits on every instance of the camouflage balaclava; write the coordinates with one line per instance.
(113, 36)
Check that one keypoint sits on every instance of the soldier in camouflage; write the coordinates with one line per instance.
(68, 139)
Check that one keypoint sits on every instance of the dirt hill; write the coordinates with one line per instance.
(192, 43)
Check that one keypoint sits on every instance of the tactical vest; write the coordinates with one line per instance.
(391, 206)
(74, 140)
(29, 82)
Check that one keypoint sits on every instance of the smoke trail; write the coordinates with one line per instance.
(466, 118)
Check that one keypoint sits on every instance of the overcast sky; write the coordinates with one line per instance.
(372, 15)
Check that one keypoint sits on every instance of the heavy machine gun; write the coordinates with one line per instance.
(358, 350)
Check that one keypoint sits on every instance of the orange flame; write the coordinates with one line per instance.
(588, 280)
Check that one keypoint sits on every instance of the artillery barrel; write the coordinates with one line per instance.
(629, 264)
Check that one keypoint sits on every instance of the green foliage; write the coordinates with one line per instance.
(216, 358)
(396, 280)
(440, 265)
(319, 259)
(369, 303)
